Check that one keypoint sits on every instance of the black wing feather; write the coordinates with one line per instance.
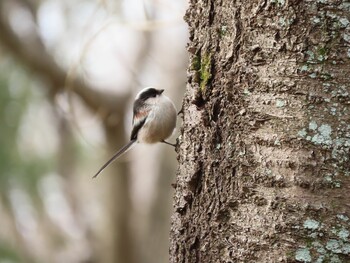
(138, 108)
(136, 128)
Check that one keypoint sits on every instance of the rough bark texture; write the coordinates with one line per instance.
(264, 152)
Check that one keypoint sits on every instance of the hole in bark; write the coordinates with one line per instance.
(181, 210)
(198, 100)
(215, 110)
(195, 244)
(223, 216)
(233, 204)
(217, 140)
(194, 182)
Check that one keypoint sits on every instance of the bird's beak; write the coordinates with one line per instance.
(160, 91)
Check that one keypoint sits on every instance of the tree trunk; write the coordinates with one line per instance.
(119, 205)
(264, 154)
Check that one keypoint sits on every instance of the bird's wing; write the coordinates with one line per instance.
(139, 118)
(136, 128)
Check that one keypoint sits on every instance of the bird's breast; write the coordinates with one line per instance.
(160, 123)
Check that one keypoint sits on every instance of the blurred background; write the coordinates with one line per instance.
(69, 71)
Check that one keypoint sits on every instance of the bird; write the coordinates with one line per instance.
(154, 120)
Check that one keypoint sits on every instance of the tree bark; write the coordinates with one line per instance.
(264, 152)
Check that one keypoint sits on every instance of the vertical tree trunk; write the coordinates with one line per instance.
(120, 205)
(264, 155)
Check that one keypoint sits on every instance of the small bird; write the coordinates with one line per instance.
(154, 121)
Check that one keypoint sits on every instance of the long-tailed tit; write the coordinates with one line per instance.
(154, 120)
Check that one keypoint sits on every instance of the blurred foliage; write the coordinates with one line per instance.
(8, 254)
(16, 93)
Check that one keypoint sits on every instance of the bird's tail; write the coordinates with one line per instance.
(124, 149)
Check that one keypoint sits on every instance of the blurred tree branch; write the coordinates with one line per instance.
(32, 53)
(32, 6)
